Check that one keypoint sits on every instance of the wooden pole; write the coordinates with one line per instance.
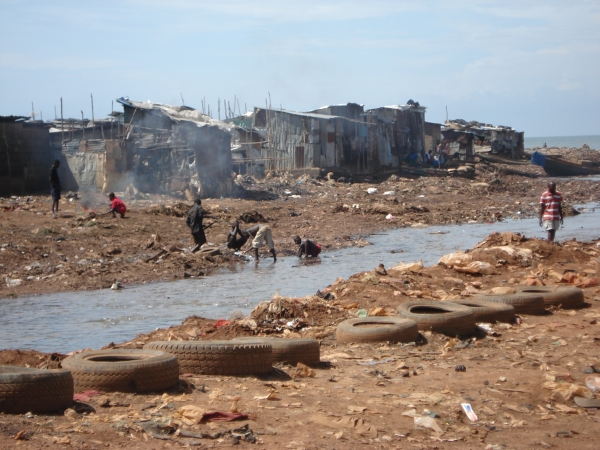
(182, 101)
(93, 123)
(32, 112)
(112, 116)
(82, 128)
(62, 123)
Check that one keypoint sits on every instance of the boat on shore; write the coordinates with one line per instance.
(558, 167)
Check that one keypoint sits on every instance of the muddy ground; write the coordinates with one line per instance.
(39, 254)
(519, 377)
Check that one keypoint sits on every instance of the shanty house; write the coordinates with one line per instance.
(177, 148)
(25, 156)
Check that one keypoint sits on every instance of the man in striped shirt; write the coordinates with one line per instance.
(551, 214)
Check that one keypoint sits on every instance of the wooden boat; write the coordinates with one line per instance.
(494, 158)
(558, 167)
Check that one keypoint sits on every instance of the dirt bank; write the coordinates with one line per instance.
(39, 254)
(517, 376)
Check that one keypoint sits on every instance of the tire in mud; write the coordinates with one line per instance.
(218, 357)
(565, 296)
(377, 329)
(527, 304)
(489, 312)
(441, 317)
(25, 390)
(291, 351)
(123, 370)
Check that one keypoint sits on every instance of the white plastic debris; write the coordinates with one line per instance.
(372, 191)
(389, 193)
(469, 412)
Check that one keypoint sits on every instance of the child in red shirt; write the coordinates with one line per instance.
(116, 206)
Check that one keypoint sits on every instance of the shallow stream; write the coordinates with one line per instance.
(64, 322)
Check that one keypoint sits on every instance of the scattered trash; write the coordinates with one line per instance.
(389, 193)
(389, 217)
(427, 422)
(587, 402)
(362, 313)
(593, 383)
(372, 191)
(116, 286)
(374, 362)
(469, 412)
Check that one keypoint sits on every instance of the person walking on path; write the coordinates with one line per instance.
(261, 234)
(551, 213)
(116, 206)
(55, 187)
(194, 221)
(307, 248)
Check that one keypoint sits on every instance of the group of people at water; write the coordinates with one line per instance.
(550, 217)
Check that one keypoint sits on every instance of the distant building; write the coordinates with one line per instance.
(341, 137)
(25, 156)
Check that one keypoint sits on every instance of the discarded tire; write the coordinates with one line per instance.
(523, 303)
(292, 351)
(489, 312)
(218, 357)
(210, 251)
(123, 370)
(40, 391)
(566, 296)
(441, 317)
(377, 329)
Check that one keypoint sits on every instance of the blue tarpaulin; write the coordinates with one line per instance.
(539, 159)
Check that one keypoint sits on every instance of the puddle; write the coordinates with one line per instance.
(69, 321)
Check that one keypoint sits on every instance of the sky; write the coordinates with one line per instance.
(533, 65)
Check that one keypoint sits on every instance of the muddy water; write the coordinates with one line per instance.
(68, 321)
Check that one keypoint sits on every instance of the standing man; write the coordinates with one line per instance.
(551, 213)
(307, 248)
(55, 187)
(260, 234)
(194, 221)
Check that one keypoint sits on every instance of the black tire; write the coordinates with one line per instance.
(123, 370)
(489, 312)
(442, 317)
(377, 329)
(291, 351)
(218, 357)
(566, 296)
(25, 390)
(532, 305)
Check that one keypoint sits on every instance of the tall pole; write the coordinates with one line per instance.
(32, 112)
(93, 124)
(62, 123)
(82, 129)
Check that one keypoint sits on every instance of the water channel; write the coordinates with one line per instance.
(64, 322)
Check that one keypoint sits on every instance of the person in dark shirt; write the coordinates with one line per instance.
(233, 242)
(55, 187)
(307, 248)
(194, 221)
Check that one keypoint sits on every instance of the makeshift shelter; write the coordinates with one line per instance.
(25, 156)
(177, 148)
(491, 138)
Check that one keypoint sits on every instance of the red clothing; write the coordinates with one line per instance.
(551, 204)
(118, 206)
(314, 251)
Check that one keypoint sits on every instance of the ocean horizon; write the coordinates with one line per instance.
(563, 141)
